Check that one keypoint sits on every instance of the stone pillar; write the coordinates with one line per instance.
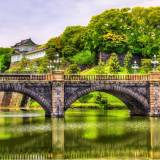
(58, 94)
(155, 94)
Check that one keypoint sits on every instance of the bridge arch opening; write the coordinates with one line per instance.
(136, 103)
(99, 100)
(11, 101)
(18, 88)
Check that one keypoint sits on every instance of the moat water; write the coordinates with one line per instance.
(82, 134)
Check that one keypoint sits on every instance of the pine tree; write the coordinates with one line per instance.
(114, 65)
(128, 61)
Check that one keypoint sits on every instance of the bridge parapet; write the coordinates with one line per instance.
(59, 76)
(114, 77)
(25, 77)
(50, 89)
(56, 76)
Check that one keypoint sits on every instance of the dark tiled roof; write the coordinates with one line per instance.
(25, 42)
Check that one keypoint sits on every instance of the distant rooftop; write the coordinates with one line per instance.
(25, 42)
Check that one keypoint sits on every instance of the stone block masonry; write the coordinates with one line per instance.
(57, 99)
(56, 92)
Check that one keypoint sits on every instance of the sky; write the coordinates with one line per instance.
(44, 19)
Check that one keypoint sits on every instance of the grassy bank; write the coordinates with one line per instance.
(99, 100)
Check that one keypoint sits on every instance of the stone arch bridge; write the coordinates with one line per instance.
(56, 92)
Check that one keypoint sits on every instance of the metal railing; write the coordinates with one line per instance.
(127, 77)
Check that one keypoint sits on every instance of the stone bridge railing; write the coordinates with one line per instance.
(50, 77)
(29, 77)
(127, 77)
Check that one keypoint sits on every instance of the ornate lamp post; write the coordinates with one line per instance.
(154, 62)
(135, 67)
(57, 62)
(50, 66)
(54, 64)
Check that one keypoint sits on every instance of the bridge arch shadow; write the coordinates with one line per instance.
(28, 92)
(136, 103)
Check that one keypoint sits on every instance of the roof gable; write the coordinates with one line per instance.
(25, 42)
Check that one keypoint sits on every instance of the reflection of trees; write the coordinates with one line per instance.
(126, 145)
(112, 138)
(38, 140)
(154, 137)
(132, 142)
(39, 143)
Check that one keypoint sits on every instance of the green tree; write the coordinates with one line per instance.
(68, 51)
(113, 42)
(24, 65)
(5, 58)
(43, 66)
(83, 58)
(128, 61)
(113, 63)
(101, 100)
(21, 67)
(73, 36)
(146, 65)
(73, 69)
(53, 46)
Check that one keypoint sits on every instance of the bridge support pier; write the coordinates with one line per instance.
(154, 94)
(58, 95)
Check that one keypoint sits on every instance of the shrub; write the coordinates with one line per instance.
(128, 61)
(83, 58)
(73, 69)
(146, 65)
(113, 63)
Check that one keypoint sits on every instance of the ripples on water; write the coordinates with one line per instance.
(91, 134)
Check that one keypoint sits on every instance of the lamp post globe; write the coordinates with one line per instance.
(56, 62)
(154, 62)
(135, 67)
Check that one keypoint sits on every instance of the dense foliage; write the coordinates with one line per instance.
(27, 66)
(120, 30)
(73, 69)
(5, 56)
(134, 31)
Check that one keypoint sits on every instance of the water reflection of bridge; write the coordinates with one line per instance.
(62, 143)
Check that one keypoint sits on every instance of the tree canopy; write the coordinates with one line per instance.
(5, 57)
(120, 31)
(135, 30)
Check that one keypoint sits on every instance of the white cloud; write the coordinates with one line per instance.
(41, 20)
(150, 3)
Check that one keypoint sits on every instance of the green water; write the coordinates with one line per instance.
(82, 134)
